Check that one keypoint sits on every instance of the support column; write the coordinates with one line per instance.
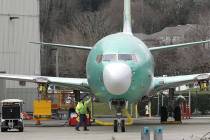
(196, 101)
(171, 101)
(77, 95)
(92, 108)
(136, 110)
(131, 110)
(189, 104)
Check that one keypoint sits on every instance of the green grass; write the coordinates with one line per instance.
(193, 91)
(102, 109)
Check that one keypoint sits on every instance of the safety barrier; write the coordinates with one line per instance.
(158, 133)
(185, 111)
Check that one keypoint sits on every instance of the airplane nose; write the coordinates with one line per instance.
(117, 78)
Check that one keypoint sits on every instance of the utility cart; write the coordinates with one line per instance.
(11, 117)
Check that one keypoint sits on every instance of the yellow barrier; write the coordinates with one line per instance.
(129, 121)
(42, 109)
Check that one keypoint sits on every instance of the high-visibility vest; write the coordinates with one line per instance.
(81, 107)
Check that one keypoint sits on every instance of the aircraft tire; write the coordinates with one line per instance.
(163, 114)
(177, 114)
(122, 125)
(115, 126)
(3, 129)
(21, 129)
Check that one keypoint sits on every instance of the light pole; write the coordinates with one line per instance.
(56, 61)
(196, 101)
(158, 105)
(189, 102)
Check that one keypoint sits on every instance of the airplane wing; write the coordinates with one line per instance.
(162, 83)
(73, 83)
(184, 45)
(63, 45)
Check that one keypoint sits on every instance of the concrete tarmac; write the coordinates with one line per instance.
(192, 129)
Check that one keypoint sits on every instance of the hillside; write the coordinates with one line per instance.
(83, 22)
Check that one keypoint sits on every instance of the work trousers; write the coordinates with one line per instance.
(70, 111)
(82, 120)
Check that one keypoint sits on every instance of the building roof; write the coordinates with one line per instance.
(11, 100)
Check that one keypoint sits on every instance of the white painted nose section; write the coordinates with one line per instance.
(117, 78)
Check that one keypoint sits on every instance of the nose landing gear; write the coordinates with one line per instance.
(119, 122)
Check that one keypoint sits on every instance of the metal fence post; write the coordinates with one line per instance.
(145, 133)
(158, 134)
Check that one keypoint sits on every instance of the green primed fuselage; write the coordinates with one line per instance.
(142, 70)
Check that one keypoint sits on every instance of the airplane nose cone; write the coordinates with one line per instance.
(117, 78)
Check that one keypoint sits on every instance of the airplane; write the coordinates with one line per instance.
(119, 70)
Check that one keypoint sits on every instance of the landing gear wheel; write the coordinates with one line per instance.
(177, 114)
(115, 125)
(119, 106)
(3, 130)
(163, 114)
(122, 125)
(21, 129)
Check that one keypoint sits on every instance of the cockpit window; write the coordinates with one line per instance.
(125, 57)
(98, 58)
(109, 57)
(116, 57)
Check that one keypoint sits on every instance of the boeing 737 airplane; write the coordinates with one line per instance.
(119, 68)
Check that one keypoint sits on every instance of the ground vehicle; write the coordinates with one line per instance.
(11, 117)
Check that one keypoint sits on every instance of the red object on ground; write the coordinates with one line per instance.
(73, 120)
(185, 111)
(26, 116)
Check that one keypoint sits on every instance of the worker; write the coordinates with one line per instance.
(81, 110)
(147, 110)
(42, 88)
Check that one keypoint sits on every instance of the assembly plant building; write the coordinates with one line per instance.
(19, 24)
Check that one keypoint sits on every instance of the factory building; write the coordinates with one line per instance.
(19, 24)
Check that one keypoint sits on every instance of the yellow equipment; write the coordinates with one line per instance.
(129, 121)
(42, 109)
(203, 86)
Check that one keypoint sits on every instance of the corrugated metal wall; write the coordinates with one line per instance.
(2, 89)
(16, 54)
(19, 24)
(27, 95)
